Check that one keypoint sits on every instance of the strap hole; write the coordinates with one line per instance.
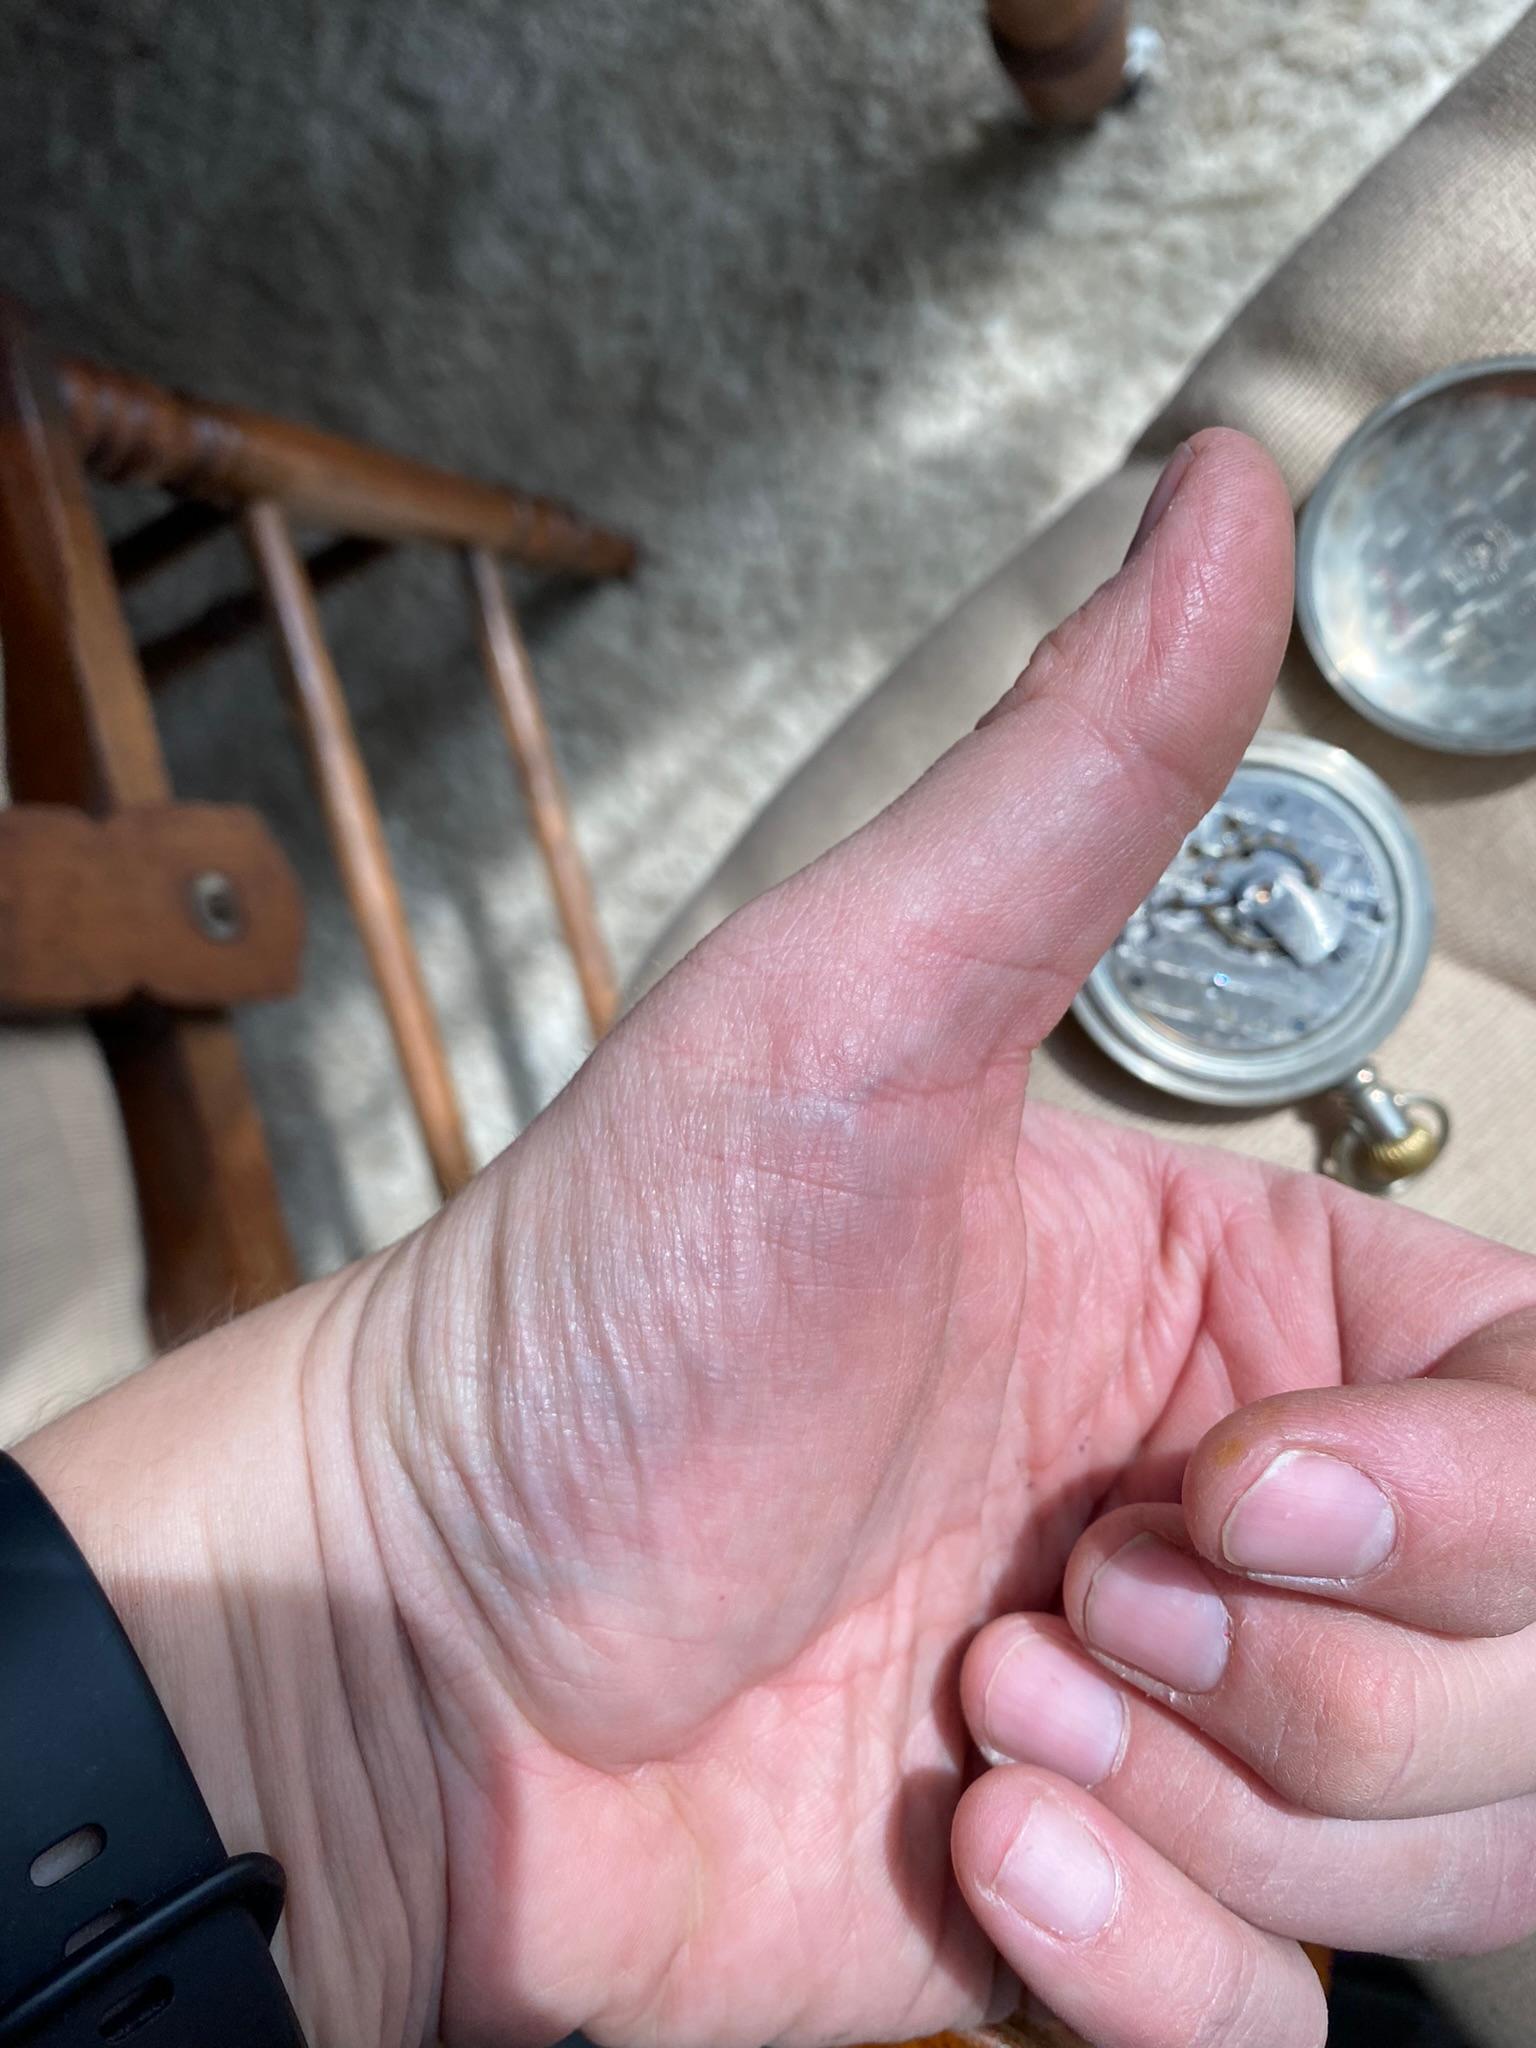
(68, 1856)
(100, 1924)
(137, 2009)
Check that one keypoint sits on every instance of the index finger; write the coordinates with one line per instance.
(1409, 1289)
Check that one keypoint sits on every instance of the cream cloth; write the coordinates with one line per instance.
(71, 1269)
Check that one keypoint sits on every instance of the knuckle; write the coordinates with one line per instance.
(1253, 1996)
(1225, 2007)
(1347, 1747)
(1059, 653)
(1220, 1831)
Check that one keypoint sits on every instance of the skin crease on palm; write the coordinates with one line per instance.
(575, 1596)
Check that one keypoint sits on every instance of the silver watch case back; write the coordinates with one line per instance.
(1416, 562)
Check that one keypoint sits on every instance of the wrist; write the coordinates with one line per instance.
(216, 1497)
(492, 1434)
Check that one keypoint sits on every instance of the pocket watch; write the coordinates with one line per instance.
(1285, 939)
(1416, 562)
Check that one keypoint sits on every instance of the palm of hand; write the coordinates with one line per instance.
(826, 1351)
(895, 1426)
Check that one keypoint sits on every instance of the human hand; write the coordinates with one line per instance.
(1313, 1681)
(592, 1572)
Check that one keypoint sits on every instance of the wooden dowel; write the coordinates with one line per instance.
(133, 431)
(158, 543)
(512, 683)
(227, 622)
(357, 835)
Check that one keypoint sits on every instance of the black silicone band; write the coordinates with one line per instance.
(182, 1959)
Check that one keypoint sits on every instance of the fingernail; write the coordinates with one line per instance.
(1308, 1516)
(1163, 494)
(1151, 1607)
(1044, 1706)
(1057, 1874)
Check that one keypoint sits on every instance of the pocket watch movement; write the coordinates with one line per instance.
(1284, 941)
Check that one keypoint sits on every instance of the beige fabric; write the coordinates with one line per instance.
(71, 1271)
(1428, 262)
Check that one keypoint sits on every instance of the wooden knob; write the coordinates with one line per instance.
(1066, 58)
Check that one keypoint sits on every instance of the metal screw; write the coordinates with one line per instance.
(215, 904)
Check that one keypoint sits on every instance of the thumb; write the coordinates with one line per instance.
(962, 920)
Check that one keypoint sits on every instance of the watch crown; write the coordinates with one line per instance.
(1387, 1138)
(1390, 1159)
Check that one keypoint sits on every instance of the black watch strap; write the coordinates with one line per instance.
(122, 1918)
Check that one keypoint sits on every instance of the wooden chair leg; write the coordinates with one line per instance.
(510, 672)
(357, 835)
(208, 1206)
(79, 731)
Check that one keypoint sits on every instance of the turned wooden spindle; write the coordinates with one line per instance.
(357, 837)
(133, 431)
(511, 678)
